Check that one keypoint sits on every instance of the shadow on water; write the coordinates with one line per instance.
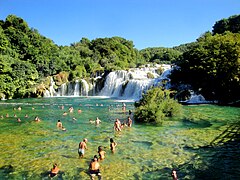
(5, 170)
(198, 124)
(219, 160)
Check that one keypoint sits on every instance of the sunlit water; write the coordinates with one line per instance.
(28, 149)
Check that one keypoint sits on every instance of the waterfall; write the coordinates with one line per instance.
(123, 84)
(133, 83)
(51, 92)
(85, 88)
(76, 88)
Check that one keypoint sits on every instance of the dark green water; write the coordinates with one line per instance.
(204, 144)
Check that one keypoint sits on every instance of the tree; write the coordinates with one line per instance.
(211, 67)
(231, 24)
(155, 106)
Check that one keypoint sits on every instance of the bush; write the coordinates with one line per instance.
(155, 106)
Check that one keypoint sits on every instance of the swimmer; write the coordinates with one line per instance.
(59, 124)
(82, 147)
(123, 125)
(91, 121)
(129, 122)
(74, 119)
(7, 115)
(174, 174)
(117, 125)
(70, 109)
(26, 116)
(19, 108)
(112, 145)
(14, 115)
(18, 120)
(101, 153)
(79, 111)
(97, 121)
(123, 107)
(94, 168)
(129, 112)
(64, 114)
(54, 171)
(37, 119)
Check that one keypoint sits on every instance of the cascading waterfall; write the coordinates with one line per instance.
(51, 92)
(76, 88)
(123, 84)
(84, 88)
(131, 84)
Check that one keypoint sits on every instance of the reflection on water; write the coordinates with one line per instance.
(28, 149)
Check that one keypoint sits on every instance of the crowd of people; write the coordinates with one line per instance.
(94, 165)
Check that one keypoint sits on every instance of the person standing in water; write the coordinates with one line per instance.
(112, 145)
(54, 171)
(174, 174)
(82, 147)
(94, 168)
(59, 124)
(97, 121)
(129, 122)
(123, 107)
(117, 125)
(101, 153)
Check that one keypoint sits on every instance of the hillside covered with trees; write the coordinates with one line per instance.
(27, 58)
(210, 65)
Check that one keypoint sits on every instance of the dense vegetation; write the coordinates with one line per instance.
(155, 106)
(27, 58)
(160, 55)
(211, 65)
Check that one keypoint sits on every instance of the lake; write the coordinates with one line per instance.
(202, 144)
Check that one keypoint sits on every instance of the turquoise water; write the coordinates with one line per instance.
(204, 143)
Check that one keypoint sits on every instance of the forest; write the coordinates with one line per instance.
(210, 65)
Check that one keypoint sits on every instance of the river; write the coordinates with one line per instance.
(202, 144)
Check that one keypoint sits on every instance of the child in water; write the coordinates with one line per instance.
(112, 145)
(54, 171)
(101, 153)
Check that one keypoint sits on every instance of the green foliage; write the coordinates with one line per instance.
(160, 55)
(231, 24)
(27, 58)
(155, 106)
(212, 66)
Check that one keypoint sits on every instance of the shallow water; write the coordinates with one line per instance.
(198, 145)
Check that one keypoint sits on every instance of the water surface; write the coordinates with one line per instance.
(204, 143)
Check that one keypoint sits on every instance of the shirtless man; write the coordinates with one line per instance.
(97, 121)
(117, 125)
(101, 153)
(174, 174)
(94, 168)
(82, 147)
(37, 119)
(59, 124)
(129, 122)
